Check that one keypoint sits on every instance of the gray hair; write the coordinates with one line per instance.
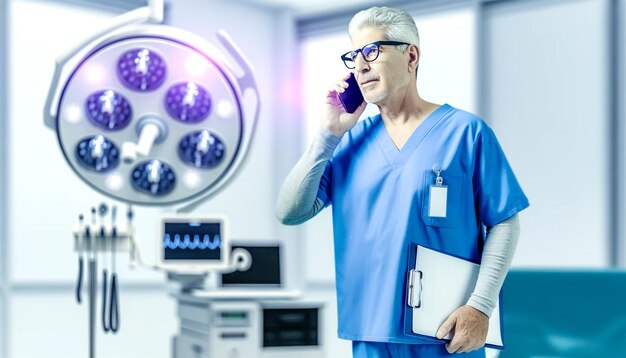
(397, 25)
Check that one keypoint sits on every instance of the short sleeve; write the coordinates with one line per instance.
(325, 190)
(497, 192)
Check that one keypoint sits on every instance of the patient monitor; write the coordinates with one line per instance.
(193, 243)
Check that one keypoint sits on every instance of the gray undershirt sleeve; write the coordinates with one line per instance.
(297, 200)
(497, 256)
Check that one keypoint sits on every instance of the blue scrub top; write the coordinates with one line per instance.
(379, 196)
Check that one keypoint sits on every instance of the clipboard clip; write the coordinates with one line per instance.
(414, 298)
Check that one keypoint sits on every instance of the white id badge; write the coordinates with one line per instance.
(438, 201)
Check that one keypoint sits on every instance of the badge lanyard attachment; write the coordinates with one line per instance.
(438, 203)
(437, 171)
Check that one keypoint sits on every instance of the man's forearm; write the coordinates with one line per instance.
(297, 201)
(497, 255)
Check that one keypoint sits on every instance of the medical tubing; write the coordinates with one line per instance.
(135, 253)
(114, 314)
(81, 259)
(105, 326)
(113, 258)
(79, 284)
(114, 317)
(113, 237)
(139, 259)
(129, 227)
(92, 308)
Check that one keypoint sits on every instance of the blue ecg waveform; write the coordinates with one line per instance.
(188, 243)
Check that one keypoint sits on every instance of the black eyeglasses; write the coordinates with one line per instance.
(370, 52)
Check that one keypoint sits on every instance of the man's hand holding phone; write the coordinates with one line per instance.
(335, 111)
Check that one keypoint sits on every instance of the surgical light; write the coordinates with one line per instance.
(144, 104)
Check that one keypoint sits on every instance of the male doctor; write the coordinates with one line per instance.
(379, 174)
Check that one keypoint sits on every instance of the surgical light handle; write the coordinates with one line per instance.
(150, 133)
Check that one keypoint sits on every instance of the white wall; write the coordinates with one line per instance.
(548, 107)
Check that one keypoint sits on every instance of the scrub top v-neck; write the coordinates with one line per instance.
(399, 156)
(379, 198)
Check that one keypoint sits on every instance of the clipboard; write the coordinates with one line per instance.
(438, 284)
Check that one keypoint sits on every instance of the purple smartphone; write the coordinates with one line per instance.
(352, 97)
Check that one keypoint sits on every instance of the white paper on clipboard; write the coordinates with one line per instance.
(440, 284)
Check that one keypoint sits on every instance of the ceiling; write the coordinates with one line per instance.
(307, 8)
(302, 9)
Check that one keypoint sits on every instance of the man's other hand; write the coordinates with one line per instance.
(470, 330)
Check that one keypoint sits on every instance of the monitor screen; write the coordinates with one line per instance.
(264, 269)
(192, 240)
